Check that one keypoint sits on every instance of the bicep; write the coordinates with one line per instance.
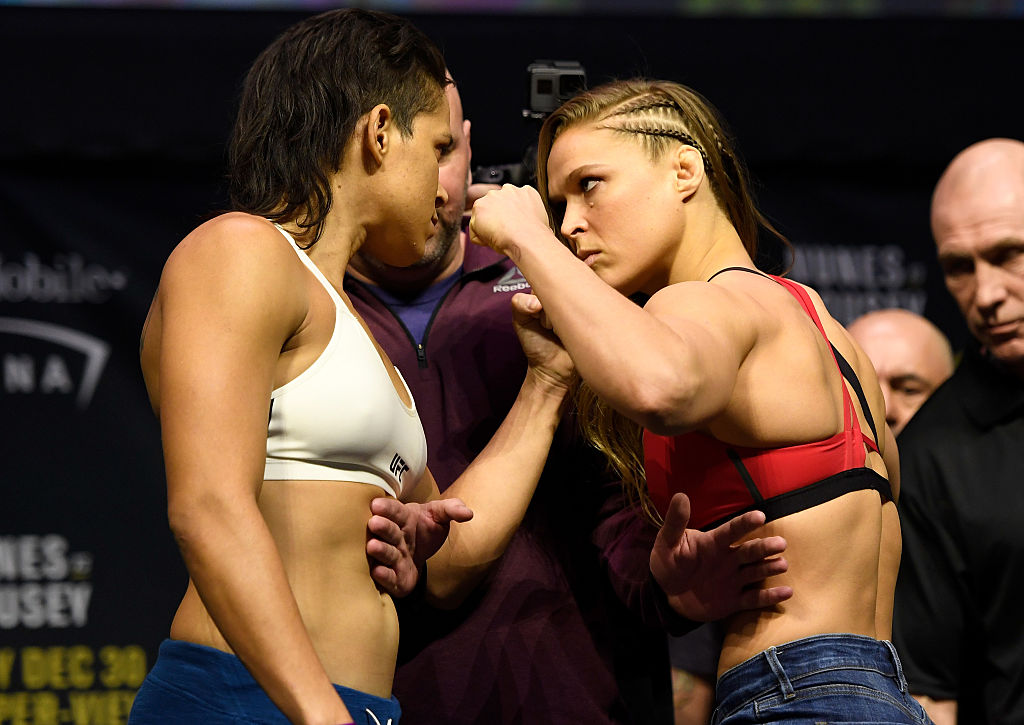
(713, 331)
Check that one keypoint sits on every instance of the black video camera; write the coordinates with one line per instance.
(550, 83)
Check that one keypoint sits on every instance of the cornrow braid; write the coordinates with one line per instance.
(667, 133)
(644, 103)
(655, 106)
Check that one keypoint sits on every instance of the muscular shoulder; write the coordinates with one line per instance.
(729, 310)
(227, 242)
(235, 261)
(229, 249)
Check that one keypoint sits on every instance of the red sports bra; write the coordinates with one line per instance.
(723, 480)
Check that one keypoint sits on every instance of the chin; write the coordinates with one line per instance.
(1010, 354)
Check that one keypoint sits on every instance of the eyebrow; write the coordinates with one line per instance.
(582, 171)
(574, 176)
(911, 378)
(1008, 242)
(997, 246)
(956, 256)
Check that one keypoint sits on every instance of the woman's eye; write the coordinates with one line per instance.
(588, 184)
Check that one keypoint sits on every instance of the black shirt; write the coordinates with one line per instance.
(959, 613)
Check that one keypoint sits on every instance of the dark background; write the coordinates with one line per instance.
(112, 135)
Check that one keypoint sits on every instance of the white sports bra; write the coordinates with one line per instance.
(341, 419)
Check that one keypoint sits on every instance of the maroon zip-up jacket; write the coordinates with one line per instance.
(568, 627)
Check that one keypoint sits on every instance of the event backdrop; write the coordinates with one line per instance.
(111, 150)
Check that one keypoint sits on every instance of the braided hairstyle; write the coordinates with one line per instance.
(659, 115)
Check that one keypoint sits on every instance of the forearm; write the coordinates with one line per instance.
(237, 571)
(633, 360)
(497, 486)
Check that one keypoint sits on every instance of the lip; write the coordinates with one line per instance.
(588, 256)
(1001, 330)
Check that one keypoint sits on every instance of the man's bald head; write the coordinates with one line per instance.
(978, 225)
(984, 176)
(911, 356)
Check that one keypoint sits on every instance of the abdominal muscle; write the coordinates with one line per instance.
(843, 557)
(320, 531)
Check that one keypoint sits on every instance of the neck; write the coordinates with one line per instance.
(412, 280)
(707, 246)
(354, 211)
(332, 252)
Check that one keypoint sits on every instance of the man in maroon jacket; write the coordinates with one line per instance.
(569, 625)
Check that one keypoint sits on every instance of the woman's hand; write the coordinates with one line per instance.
(404, 535)
(504, 218)
(706, 574)
(546, 356)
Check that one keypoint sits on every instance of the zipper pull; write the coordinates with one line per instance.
(421, 355)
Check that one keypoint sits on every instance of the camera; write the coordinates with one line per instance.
(517, 174)
(549, 84)
(552, 83)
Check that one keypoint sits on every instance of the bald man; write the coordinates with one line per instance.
(959, 616)
(911, 356)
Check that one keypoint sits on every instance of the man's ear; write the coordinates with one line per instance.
(380, 125)
(688, 165)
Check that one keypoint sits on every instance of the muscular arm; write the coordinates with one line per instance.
(692, 347)
(226, 310)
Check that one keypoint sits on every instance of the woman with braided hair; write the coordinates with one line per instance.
(731, 386)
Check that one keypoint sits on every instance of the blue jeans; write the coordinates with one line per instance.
(192, 684)
(828, 678)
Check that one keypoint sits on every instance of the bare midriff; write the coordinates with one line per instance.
(320, 531)
(843, 557)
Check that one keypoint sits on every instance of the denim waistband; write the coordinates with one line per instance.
(779, 668)
(220, 678)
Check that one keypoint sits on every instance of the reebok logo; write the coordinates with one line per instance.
(512, 281)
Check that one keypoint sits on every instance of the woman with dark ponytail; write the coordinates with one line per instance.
(730, 390)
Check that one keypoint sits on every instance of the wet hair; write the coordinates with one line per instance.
(659, 115)
(303, 96)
